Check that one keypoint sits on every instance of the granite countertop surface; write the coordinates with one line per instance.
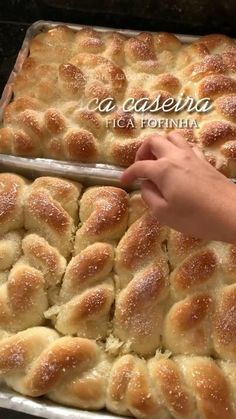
(180, 16)
(9, 414)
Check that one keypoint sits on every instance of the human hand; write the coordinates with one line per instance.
(183, 190)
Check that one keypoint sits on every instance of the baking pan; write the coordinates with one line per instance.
(43, 26)
(101, 172)
(46, 409)
(88, 174)
(32, 167)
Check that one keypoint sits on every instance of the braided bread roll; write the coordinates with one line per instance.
(11, 201)
(142, 278)
(87, 294)
(51, 209)
(184, 387)
(103, 214)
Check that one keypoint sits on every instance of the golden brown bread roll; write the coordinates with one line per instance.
(142, 279)
(201, 319)
(51, 209)
(23, 298)
(12, 188)
(51, 114)
(145, 317)
(44, 257)
(87, 294)
(103, 214)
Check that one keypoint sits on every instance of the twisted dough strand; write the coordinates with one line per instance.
(142, 279)
(87, 293)
(104, 216)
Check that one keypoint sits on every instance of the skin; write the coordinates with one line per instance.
(183, 190)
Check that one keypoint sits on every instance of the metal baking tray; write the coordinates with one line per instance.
(45, 25)
(103, 173)
(44, 408)
(88, 174)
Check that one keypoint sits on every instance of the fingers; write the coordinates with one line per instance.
(145, 151)
(178, 140)
(139, 169)
(153, 197)
(157, 146)
(198, 153)
(154, 147)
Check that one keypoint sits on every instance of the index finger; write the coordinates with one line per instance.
(154, 147)
(140, 169)
(179, 140)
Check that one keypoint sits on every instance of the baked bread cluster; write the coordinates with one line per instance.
(101, 306)
(49, 115)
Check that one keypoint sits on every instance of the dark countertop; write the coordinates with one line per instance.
(180, 16)
(11, 38)
(9, 414)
